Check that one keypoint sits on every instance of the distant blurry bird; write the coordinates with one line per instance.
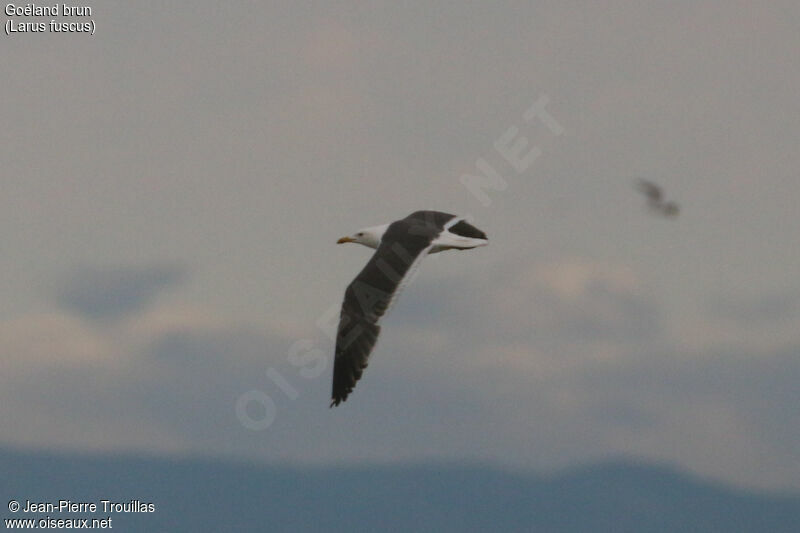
(651, 191)
(655, 198)
(670, 209)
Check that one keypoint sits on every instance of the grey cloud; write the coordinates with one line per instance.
(536, 313)
(182, 388)
(203, 346)
(196, 377)
(179, 390)
(110, 293)
(600, 313)
(762, 308)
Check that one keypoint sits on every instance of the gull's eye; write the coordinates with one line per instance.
(359, 234)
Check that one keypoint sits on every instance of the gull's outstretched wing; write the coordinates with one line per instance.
(368, 297)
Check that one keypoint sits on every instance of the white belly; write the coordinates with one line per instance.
(450, 241)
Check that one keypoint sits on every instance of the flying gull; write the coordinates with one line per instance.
(655, 198)
(400, 248)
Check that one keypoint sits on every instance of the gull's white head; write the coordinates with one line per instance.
(370, 237)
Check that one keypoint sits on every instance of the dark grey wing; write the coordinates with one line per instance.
(429, 219)
(367, 298)
(465, 229)
(650, 190)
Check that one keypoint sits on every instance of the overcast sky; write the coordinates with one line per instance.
(173, 188)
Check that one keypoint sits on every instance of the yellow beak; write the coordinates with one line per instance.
(344, 239)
